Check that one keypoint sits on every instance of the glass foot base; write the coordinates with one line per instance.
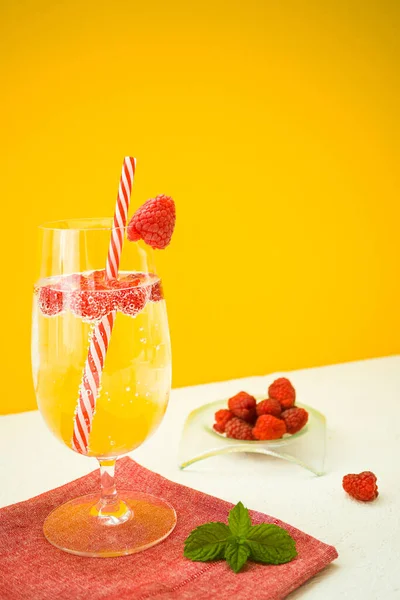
(79, 527)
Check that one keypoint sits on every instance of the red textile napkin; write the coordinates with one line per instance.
(31, 568)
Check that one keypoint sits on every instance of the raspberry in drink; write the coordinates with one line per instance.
(136, 377)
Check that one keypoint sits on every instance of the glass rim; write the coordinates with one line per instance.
(72, 224)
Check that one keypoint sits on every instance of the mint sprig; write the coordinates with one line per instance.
(240, 541)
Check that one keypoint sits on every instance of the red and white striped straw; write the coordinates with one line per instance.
(120, 217)
(91, 380)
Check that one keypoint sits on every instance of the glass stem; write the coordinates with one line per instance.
(110, 509)
(109, 493)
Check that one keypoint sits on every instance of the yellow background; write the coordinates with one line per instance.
(275, 126)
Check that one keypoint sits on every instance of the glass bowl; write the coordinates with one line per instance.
(305, 448)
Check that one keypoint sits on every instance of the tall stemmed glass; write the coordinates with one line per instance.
(71, 297)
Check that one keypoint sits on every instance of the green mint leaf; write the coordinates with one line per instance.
(265, 543)
(271, 544)
(207, 542)
(239, 520)
(236, 554)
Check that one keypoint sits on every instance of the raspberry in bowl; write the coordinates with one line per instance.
(274, 418)
(231, 425)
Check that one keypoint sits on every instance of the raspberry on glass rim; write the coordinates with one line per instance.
(154, 222)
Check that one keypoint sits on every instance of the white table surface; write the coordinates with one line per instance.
(361, 401)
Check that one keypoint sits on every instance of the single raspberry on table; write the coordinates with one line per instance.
(153, 222)
(243, 406)
(238, 429)
(269, 428)
(269, 407)
(222, 417)
(362, 486)
(295, 419)
(283, 391)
